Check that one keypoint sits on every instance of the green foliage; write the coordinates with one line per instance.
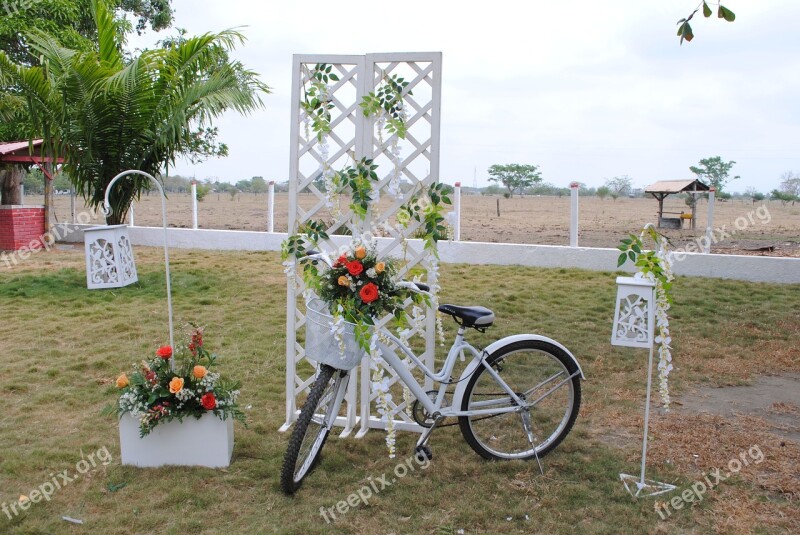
(603, 192)
(202, 190)
(307, 237)
(388, 100)
(107, 113)
(429, 212)
(685, 29)
(358, 179)
(714, 172)
(647, 261)
(515, 177)
(317, 101)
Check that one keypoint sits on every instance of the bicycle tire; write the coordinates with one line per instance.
(503, 436)
(299, 461)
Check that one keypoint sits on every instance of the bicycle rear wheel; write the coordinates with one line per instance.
(312, 427)
(541, 374)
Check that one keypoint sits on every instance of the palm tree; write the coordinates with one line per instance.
(105, 113)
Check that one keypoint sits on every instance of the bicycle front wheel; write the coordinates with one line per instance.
(312, 428)
(544, 378)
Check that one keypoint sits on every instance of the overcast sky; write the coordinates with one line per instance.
(587, 90)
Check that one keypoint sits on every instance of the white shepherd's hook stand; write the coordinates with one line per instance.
(107, 211)
(640, 486)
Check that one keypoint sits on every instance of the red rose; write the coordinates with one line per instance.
(208, 401)
(369, 293)
(165, 352)
(342, 260)
(355, 268)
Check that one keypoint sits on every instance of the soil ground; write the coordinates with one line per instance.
(740, 227)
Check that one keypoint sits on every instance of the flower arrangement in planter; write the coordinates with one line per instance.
(160, 390)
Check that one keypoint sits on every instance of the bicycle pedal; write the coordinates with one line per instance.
(423, 453)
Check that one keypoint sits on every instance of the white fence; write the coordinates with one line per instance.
(736, 267)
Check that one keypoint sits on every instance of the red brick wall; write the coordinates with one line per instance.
(21, 226)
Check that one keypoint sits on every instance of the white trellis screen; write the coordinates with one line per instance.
(405, 167)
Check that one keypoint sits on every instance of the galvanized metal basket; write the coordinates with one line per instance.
(321, 344)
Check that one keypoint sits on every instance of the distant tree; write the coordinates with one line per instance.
(515, 177)
(202, 190)
(245, 186)
(784, 197)
(258, 184)
(758, 196)
(603, 192)
(619, 186)
(790, 184)
(714, 172)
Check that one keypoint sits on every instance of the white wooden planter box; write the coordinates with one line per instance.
(205, 442)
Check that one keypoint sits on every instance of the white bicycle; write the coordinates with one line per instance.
(516, 399)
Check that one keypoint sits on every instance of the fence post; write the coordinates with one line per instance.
(271, 207)
(573, 219)
(194, 204)
(457, 210)
(710, 223)
(22, 194)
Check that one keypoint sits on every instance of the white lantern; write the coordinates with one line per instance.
(634, 316)
(109, 257)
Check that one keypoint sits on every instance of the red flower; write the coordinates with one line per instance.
(342, 260)
(165, 352)
(208, 401)
(355, 268)
(369, 293)
(150, 376)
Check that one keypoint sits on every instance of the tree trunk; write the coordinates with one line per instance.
(10, 180)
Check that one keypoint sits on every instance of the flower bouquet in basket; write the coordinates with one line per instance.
(155, 392)
(358, 288)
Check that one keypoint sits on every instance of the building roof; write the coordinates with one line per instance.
(20, 152)
(14, 146)
(676, 186)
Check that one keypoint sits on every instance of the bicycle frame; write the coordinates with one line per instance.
(444, 376)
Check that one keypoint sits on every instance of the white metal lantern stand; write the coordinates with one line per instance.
(634, 326)
(107, 211)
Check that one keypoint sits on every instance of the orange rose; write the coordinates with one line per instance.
(176, 385)
(344, 281)
(361, 252)
(122, 381)
(199, 371)
(380, 267)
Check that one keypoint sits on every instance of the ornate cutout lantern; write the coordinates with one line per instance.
(109, 257)
(634, 316)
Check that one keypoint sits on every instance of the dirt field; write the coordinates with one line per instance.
(740, 226)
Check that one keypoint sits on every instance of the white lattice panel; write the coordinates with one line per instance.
(414, 162)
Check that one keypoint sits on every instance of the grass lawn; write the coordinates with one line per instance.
(64, 345)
